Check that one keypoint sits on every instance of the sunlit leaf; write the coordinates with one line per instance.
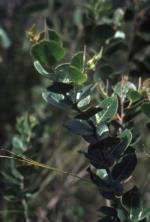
(76, 75)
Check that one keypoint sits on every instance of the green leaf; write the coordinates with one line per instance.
(126, 134)
(56, 99)
(52, 35)
(123, 89)
(60, 88)
(104, 71)
(120, 35)
(84, 102)
(133, 95)
(76, 75)
(146, 109)
(23, 125)
(83, 96)
(132, 112)
(131, 200)
(89, 113)
(85, 91)
(40, 69)
(62, 73)
(18, 143)
(102, 174)
(122, 214)
(125, 140)
(102, 184)
(77, 60)
(47, 53)
(4, 39)
(124, 168)
(145, 213)
(109, 106)
(101, 129)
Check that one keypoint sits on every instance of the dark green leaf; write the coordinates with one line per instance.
(89, 113)
(94, 138)
(114, 190)
(102, 185)
(145, 213)
(79, 127)
(83, 96)
(104, 32)
(133, 95)
(131, 200)
(99, 153)
(108, 211)
(129, 150)
(124, 168)
(116, 44)
(125, 140)
(126, 134)
(56, 99)
(122, 214)
(61, 88)
(104, 71)
(132, 112)
(85, 91)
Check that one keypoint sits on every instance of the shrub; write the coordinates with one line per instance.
(103, 114)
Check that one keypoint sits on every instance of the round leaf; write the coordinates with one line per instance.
(77, 60)
(76, 75)
(47, 53)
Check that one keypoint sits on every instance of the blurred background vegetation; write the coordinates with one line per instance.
(29, 127)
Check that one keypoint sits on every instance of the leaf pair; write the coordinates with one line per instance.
(48, 51)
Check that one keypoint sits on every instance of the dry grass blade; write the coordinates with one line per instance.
(11, 155)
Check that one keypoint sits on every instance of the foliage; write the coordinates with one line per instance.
(103, 121)
(103, 103)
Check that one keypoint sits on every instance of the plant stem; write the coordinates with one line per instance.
(24, 203)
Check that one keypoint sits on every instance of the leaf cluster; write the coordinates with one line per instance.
(103, 122)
